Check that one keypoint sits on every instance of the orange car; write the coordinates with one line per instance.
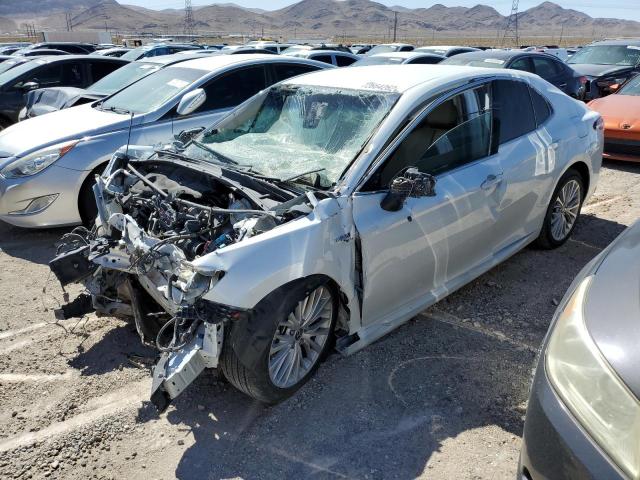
(621, 114)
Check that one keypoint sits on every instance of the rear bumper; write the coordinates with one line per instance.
(554, 445)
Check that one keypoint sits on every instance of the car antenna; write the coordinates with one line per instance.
(126, 152)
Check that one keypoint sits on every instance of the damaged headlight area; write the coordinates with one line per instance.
(154, 219)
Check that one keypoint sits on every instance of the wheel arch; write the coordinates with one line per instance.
(86, 182)
(582, 168)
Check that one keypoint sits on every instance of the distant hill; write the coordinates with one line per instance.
(313, 17)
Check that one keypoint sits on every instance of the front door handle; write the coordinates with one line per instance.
(491, 181)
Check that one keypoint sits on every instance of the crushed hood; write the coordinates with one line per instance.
(56, 127)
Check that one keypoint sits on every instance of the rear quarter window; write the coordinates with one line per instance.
(513, 109)
(541, 107)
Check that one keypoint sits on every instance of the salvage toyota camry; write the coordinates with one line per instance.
(326, 211)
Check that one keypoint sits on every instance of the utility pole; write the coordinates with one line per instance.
(511, 32)
(561, 34)
(395, 25)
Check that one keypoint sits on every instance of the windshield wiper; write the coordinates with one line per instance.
(178, 155)
(121, 111)
(213, 152)
(298, 175)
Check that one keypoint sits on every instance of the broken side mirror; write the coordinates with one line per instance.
(411, 183)
(185, 135)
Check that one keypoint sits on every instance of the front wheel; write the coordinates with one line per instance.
(563, 211)
(292, 334)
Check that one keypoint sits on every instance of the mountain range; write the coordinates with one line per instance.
(319, 18)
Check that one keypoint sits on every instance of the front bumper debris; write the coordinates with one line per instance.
(177, 369)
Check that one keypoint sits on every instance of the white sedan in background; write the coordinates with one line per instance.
(328, 210)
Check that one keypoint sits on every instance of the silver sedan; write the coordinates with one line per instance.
(328, 210)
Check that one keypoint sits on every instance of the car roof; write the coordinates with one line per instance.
(86, 58)
(215, 62)
(392, 78)
(502, 54)
(406, 55)
(628, 41)
(169, 59)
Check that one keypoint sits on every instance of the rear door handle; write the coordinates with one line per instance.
(563, 85)
(491, 181)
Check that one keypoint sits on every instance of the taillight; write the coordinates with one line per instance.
(599, 124)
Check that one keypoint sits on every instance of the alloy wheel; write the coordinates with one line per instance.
(565, 210)
(300, 338)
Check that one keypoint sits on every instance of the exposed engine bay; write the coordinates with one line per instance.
(156, 216)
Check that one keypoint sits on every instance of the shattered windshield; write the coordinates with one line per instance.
(607, 55)
(297, 130)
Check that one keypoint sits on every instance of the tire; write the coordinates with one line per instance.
(4, 124)
(253, 348)
(553, 234)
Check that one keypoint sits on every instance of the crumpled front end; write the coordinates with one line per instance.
(155, 218)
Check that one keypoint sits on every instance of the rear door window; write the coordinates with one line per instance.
(323, 59)
(344, 61)
(288, 70)
(99, 70)
(513, 109)
(547, 68)
(524, 64)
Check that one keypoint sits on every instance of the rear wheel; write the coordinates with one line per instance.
(293, 337)
(563, 211)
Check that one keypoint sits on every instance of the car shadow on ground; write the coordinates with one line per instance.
(120, 348)
(381, 413)
(33, 245)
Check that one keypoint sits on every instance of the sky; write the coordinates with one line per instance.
(625, 9)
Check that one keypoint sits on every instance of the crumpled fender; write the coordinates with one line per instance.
(321, 243)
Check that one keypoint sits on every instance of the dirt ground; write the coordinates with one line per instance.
(442, 397)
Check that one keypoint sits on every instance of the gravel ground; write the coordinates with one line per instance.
(441, 397)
